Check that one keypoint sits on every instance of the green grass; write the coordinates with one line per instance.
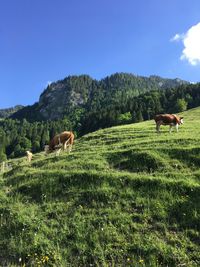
(125, 196)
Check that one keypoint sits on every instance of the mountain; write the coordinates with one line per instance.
(61, 98)
(6, 112)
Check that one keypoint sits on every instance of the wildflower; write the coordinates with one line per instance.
(141, 261)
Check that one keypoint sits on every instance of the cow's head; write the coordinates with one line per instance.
(181, 120)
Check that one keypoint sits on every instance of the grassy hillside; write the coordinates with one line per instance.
(125, 196)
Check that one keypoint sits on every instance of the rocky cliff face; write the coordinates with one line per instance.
(64, 95)
(53, 101)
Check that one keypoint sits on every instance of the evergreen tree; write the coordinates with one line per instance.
(181, 105)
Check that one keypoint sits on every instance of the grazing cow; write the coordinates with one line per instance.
(168, 119)
(63, 140)
(29, 156)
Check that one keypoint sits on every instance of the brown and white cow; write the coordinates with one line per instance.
(168, 119)
(63, 140)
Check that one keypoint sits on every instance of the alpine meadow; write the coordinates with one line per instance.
(99, 133)
(124, 196)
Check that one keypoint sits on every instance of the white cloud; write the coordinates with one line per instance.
(191, 42)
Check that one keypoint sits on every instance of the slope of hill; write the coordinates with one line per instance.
(63, 97)
(125, 196)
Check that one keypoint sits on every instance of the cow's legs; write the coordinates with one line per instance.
(70, 148)
(65, 146)
(170, 128)
(158, 124)
(59, 142)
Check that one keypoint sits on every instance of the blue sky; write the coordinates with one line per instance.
(46, 40)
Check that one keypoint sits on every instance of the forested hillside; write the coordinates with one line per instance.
(125, 196)
(81, 94)
(19, 136)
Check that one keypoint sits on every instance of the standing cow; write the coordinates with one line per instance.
(63, 140)
(168, 119)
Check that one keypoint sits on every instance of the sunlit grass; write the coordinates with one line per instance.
(125, 196)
